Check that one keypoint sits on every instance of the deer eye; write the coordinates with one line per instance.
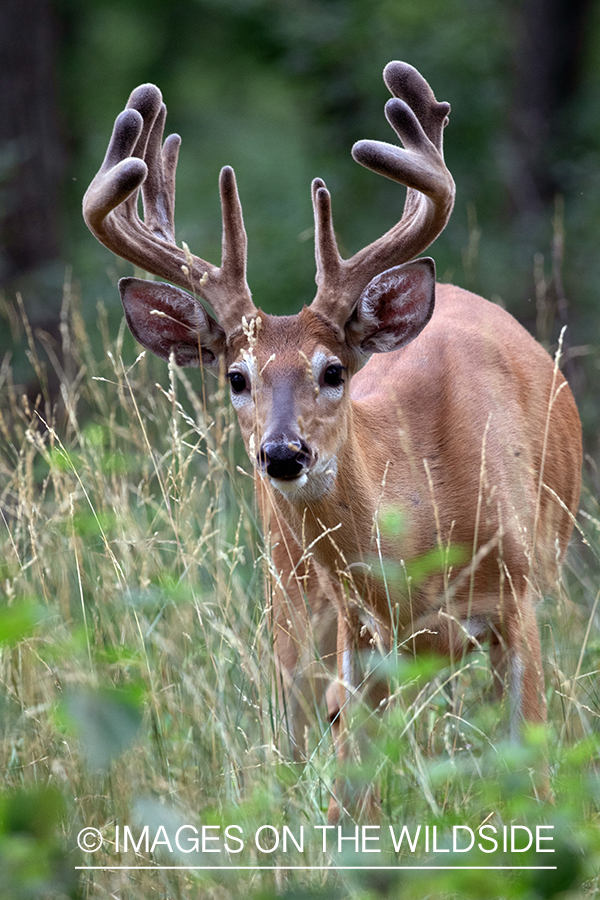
(334, 375)
(237, 382)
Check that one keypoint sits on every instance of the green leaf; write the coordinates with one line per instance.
(105, 721)
(19, 621)
(420, 568)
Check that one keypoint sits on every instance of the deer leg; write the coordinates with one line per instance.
(338, 697)
(527, 694)
(515, 655)
(498, 661)
(353, 643)
(304, 636)
(517, 666)
(516, 659)
(526, 682)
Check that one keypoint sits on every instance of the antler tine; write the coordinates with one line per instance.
(327, 255)
(404, 81)
(235, 241)
(158, 188)
(137, 159)
(418, 120)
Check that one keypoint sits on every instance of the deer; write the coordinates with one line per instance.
(389, 392)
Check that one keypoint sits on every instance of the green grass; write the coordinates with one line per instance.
(137, 674)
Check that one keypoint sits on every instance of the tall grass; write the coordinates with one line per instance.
(137, 673)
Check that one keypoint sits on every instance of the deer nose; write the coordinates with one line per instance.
(284, 458)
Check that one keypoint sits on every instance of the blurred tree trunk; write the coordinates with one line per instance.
(31, 164)
(548, 64)
(548, 68)
(31, 153)
(30, 145)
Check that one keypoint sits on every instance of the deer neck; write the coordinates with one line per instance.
(336, 520)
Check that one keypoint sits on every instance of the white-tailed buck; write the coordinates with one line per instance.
(388, 391)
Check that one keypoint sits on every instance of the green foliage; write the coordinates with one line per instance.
(18, 621)
(105, 721)
(34, 864)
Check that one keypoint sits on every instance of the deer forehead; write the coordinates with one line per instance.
(286, 346)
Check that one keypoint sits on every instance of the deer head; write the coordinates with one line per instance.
(288, 376)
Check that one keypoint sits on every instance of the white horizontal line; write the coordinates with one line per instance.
(311, 868)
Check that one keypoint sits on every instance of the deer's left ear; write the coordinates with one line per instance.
(394, 307)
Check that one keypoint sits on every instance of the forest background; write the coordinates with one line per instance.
(281, 89)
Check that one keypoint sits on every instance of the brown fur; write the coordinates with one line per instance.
(471, 425)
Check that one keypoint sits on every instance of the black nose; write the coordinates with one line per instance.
(284, 458)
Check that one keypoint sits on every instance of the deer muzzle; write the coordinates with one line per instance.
(284, 458)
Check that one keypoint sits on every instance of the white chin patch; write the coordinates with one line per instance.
(289, 485)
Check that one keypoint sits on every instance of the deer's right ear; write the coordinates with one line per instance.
(166, 320)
